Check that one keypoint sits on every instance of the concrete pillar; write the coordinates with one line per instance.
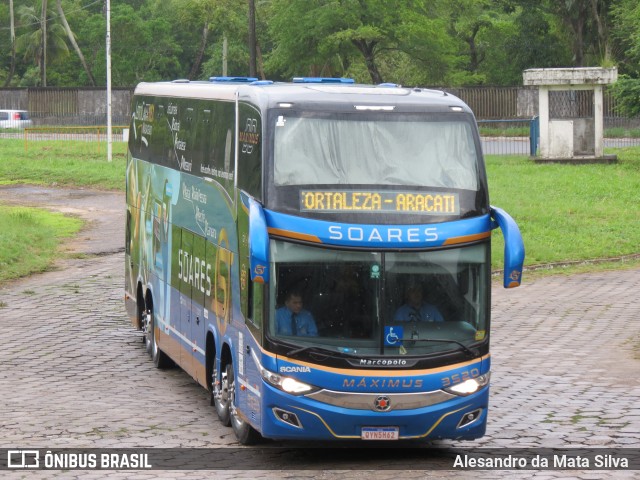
(543, 109)
(598, 113)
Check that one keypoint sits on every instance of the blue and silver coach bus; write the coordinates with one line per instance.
(316, 254)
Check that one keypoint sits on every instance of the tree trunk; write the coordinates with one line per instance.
(43, 53)
(367, 48)
(578, 49)
(260, 62)
(474, 57)
(252, 38)
(72, 39)
(225, 53)
(13, 46)
(603, 34)
(203, 45)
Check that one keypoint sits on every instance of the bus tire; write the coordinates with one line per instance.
(146, 333)
(245, 433)
(141, 317)
(160, 359)
(221, 399)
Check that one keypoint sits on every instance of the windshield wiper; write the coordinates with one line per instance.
(464, 348)
(313, 348)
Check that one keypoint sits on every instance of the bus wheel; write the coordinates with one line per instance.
(146, 332)
(221, 397)
(245, 433)
(160, 359)
(142, 315)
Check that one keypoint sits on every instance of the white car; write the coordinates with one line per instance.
(14, 119)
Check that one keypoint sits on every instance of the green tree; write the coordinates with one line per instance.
(469, 20)
(72, 41)
(626, 35)
(12, 34)
(530, 37)
(43, 40)
(228, 50)
(587, 23)
(334, 37)
(143, 46)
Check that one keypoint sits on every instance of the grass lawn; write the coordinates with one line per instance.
(569, 212)
(62, 163)
(29, 239)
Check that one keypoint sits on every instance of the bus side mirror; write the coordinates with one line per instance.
(258, 243)
(513, 247)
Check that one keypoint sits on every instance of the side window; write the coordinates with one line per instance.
(257, 304)
(250, 151)
(127, 235)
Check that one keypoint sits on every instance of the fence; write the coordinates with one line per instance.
(87, 105)
(68, 106)
(498, 110)
(96, 134)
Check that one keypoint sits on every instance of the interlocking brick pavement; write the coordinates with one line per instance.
(73, 372)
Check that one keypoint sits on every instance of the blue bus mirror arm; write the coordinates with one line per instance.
(258, 243)
(513, 247)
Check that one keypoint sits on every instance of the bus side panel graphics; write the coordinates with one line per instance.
(172, 203)
(378, 236)
(192, 136)
(250, 384)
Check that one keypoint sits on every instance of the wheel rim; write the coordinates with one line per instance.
(223, 395)
(237, 422)
(147, 327)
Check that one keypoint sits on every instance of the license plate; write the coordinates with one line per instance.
(380, 433)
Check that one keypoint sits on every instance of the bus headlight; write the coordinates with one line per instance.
(286, 384)
(470, 386)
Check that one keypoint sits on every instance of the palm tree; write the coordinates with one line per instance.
(46, 38)
(73, 42)
(13, 45)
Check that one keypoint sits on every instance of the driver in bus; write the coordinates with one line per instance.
(416, 309)
(293, 319)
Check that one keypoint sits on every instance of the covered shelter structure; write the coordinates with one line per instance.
(570, 105)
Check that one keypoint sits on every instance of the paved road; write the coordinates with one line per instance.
(520, 145)
(566, 364)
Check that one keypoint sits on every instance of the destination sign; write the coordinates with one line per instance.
(427, 203)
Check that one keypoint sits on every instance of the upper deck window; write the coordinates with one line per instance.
(435, 150)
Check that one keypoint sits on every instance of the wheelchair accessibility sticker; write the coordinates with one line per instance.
(393, 336)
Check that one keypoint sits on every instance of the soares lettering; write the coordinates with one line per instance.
(383, 234)
(195, 271)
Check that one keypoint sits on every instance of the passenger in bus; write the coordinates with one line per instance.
(416, 309)
(293, 319)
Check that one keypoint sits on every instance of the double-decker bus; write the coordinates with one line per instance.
(316, 254)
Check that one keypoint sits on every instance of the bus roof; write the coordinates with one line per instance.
(331, 95)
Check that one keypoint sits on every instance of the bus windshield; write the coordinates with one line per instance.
(379, 303)
(436, 150)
